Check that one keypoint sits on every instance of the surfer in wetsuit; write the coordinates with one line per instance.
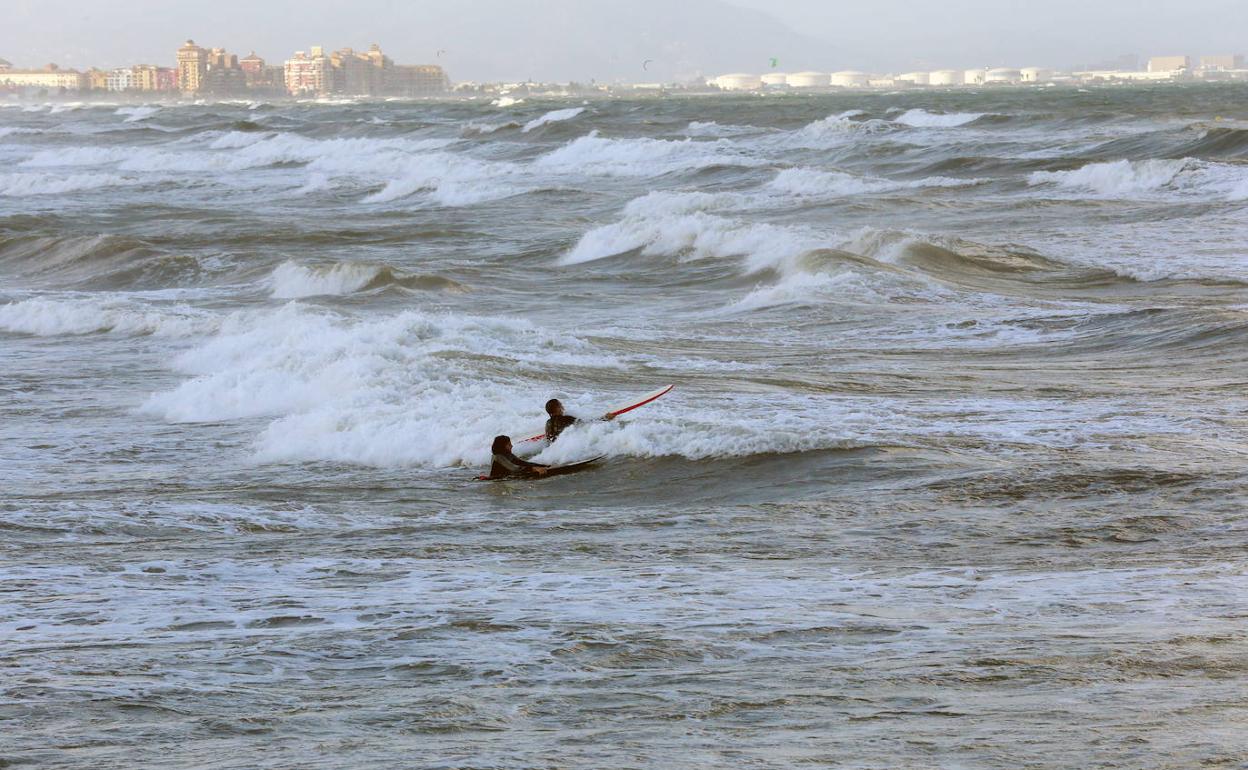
(558, 422)
(506, 464)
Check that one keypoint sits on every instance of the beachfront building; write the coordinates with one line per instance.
(192, 67)
(1169, 64)
(308, 74)
(224, 76)
(1221, 63)
(96, 79)
(51, 79)
(416, 80)
(120, 79)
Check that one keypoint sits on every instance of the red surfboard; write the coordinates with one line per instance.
(611, 414)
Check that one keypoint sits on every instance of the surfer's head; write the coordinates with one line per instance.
(502, 445)
(554, 407)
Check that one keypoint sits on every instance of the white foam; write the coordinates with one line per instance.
(402, 389)
(838, 130)
(292, 280)
(595, 155)
(807, 182)
(555, 116)
(919, 118)
(24, 184)
(50, 317)
(1151, 178)
(136, 114)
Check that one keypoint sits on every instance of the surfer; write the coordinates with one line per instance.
(559, 422)
(505, 463)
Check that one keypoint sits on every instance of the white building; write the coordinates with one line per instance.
(1003, 76)
(50, 78)
(810, 80)
(739, 82)
(775, 79)
(914, 78)
(945, 78)
(121, 79)
(975, 77)
(1035, 75)
(849, 79)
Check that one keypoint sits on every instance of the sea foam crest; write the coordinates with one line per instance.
(596, 155)
(23, 184)
(51, 317)
(555, 116)
(402, 389)
(920, 118)
(1126, 179)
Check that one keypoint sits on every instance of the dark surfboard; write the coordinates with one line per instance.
(558, 470)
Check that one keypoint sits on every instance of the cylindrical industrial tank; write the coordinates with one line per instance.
(1003, 75)
(945, 78)
(850, 79)
(775, 79)
(914, 78)
(1035, 75)
(739, 82)
(974, 77)
(809, 80)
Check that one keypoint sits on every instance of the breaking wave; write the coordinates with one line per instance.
(292, 280)
(1125, 179)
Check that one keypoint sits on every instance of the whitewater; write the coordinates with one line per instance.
(953, 475)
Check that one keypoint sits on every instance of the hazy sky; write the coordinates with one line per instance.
(607, 40)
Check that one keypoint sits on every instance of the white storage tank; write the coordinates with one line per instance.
(1003, 75)
(850, 79)
(914, 78)
(775, 79)
(974, 77)
(1035, 75)
(809, 80)
(945, 78)
(739, 82)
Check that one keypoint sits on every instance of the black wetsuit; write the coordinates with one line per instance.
(507, 464)
(557, 425)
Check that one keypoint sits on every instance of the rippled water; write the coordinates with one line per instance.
(953, 475)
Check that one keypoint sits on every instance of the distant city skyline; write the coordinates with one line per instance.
(588, 39)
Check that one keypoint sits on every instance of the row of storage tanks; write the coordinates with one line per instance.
(853, 79)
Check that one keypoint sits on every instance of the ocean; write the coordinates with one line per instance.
(953, 474)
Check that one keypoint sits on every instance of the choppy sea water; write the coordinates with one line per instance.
(953, 475)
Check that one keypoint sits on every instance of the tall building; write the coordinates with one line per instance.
(145, 77)
(120, 79)
(224, 76)
(416, 80)
(354, 73)
(192, 66)
(253, 68)
(1217, 63)
(1169, 63)
(166, 79)
(308, 74)
(97, 79)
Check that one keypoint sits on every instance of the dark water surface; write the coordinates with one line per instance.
(953, 476)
